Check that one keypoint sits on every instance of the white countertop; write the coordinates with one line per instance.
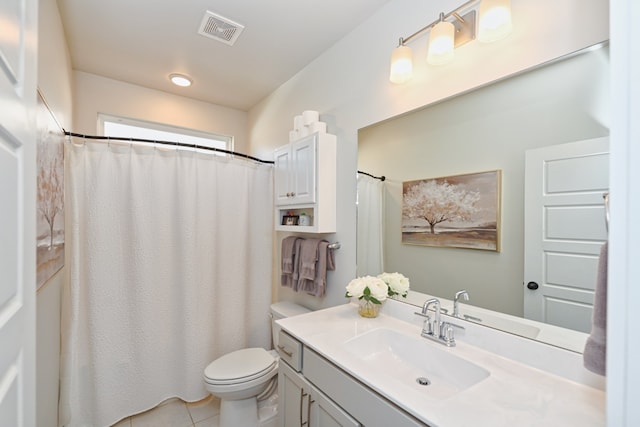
(514, 394)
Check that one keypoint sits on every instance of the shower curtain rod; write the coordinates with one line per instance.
(174, 144)
(381, 178)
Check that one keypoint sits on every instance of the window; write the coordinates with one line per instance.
(131, 128)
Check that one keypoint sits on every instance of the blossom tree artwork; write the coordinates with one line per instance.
(50, 202)
(456, 211)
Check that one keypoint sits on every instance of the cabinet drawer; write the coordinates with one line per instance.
(290, 350)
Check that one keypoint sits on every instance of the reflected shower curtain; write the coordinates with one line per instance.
(370, 247)
(170, 268)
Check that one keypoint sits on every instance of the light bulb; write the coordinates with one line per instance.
(441, 43)
(401, 64)
(495, 20)
(180, 80)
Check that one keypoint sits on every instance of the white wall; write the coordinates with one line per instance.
(623, 346)
(487, 129)
(96, 94)
(349, 85)
(54, 82)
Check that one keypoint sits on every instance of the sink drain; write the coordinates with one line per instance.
(423, 381)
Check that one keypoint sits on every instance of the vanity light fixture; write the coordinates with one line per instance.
(495, 20)
(180, 80)
(401, 64)
(441, 43)
(452, 30)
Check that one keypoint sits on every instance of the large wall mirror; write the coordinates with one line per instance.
(490, 128)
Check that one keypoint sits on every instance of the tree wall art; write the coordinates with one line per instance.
(460, 211)
(50, 203)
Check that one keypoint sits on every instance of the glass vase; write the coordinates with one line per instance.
(368, 308)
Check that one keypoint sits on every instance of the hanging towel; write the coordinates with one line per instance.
(288, 260)
(595, 350)
(325, 262)
(308, 259)
(314, 280)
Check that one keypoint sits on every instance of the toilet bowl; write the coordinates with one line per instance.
(239, 378)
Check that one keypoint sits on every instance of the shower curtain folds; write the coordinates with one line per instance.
(167, 272)
(370, 245)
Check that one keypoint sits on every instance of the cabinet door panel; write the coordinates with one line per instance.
(282, 185)
(292, 397)
(304, 170)
(325, 413)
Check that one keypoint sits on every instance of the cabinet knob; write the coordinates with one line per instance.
(532, 285)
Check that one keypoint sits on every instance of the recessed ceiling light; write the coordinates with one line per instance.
(180, 80)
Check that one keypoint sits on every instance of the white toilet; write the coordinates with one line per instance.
(241, 378)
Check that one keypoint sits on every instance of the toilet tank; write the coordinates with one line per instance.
(281, 310)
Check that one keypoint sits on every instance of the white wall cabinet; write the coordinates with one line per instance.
(295, 172)
(305, 183)
(302, 404)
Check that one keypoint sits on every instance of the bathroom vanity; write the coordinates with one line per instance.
(303, 404)
(338, 369)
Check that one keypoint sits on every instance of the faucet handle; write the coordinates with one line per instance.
(447, 334)
(427, 325)
(456, 326)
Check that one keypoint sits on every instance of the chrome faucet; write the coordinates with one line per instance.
(436, 329)
(465, 295)
(431, 326)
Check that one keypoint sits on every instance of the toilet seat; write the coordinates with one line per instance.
(240, 366)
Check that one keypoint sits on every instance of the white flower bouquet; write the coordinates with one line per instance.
(372, 291)
(397, 283)
(368, 288)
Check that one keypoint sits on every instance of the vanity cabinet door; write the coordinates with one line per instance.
(302, 405)
(325, 413)
(292, 397)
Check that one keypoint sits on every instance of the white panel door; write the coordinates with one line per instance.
(565, 227)
(17, 211)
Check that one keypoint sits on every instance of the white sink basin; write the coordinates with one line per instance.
(407, 359)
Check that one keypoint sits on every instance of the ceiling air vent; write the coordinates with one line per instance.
(220, 28)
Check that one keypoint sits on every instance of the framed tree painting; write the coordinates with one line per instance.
(460, 211)
(50, 202)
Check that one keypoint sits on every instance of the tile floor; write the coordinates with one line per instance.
(176, 413)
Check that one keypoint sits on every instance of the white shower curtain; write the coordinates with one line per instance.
(370, 250)
(170, 268)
